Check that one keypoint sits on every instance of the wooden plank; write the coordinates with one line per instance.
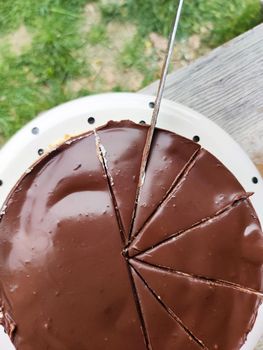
(260, 345)
(226, 86)
(260, 168)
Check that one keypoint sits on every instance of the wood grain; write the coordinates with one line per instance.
(260, 168)
(227, 87)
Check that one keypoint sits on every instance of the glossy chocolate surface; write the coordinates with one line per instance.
(205, 188)
(64, 280)
(170, 156)
(164, 332)
(205, 309)
(228, 247)
(123, 146)
(70, 277)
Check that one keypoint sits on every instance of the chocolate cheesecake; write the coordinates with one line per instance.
(86, 266)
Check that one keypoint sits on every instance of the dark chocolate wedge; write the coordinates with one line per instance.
(207, 188)
(228, 247)
(122, 144)
(169, 157)
(219, 316)
(164, 332)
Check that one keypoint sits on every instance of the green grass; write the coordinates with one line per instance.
(35, 13)
(228, 18)
(134, 55)
(98, 34)
(37, 79)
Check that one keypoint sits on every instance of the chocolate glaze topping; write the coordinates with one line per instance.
(163, 327)
(77, 272)
(123, 160)
(165, 165)
(205, 189)
(227, 247)
(204, 308)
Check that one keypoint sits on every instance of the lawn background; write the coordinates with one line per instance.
(52, 51)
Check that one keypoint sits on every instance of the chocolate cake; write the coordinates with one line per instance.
(85, 266)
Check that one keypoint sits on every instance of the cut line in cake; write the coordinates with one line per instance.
(186, 206)
(166, 166)
(163, 316)
(102, 153)
(187, 297)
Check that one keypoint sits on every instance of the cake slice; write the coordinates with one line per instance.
(168, 159)
(122, 145)
(207, 188)
(219, 316)
(228, 247)
(164, 332)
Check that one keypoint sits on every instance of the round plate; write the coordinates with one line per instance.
(72, 118)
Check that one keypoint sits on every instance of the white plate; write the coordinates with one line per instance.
(72, 118)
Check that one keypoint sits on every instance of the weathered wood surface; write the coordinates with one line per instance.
(227, 87)
(260, 168)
